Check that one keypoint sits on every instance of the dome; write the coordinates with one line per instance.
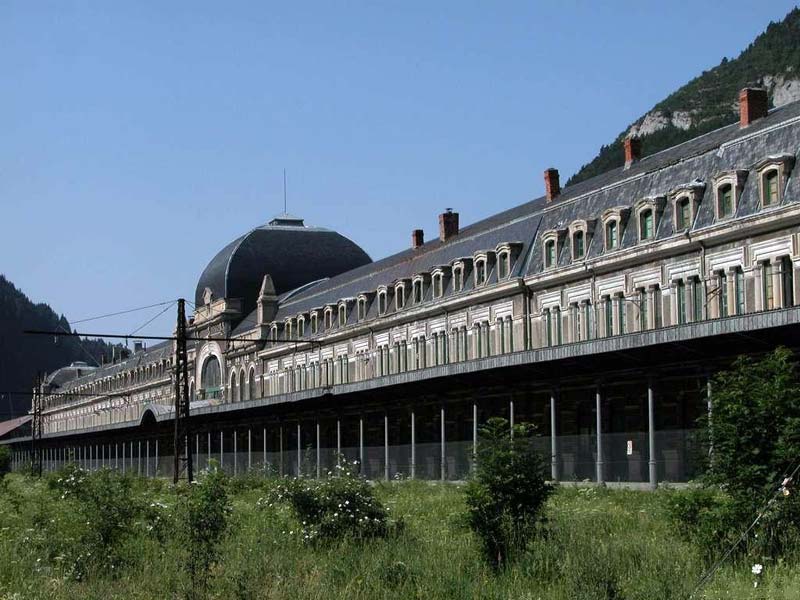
(291, 253)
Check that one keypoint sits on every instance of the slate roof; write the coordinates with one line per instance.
(703, 158)
(291, 253)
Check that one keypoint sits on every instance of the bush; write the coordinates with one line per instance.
(5, 461)
(203, 514)
(342, 505)
(508, 491)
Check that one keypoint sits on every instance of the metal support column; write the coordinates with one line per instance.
(235, 452)
(139, 460)
(338, 442)
(386, 446)
(280, 449)
(249, 449)
(553, 437)
(413, 469)
(651, 435)
(442, 456)
(264, 457)
(474, 434)
(599, 425)
(709, 408)
(147, 458)
(156, 469)
(221, 451)
(319, 454)
(361, 444)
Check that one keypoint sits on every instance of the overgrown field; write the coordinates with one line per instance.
(596, 544)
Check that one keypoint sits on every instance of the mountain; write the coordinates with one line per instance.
(21, 355)
(771, 61)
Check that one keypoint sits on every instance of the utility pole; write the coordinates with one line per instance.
(182, 445)
(36, 428)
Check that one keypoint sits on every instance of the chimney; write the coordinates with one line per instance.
(138, 346)
(417, 238)
(753, 104)
(551, 187)
(448, 224)
(633, 151)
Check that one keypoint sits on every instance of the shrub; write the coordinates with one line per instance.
(203, 516)
(5, 461)
(342, 505)
(506, 495)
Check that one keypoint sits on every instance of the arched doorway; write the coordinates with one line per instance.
(211, 378)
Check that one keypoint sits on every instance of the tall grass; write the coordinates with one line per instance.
(596, 544)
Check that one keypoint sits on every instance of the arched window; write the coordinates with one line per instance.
(578, 245)
(770, 193)
(612, 235)
(232, 389)
(242, 389)
(646, 229)
(683, 213)
(251, 385)
(211, 379)
(725, 201)
(550, 254)
(480, 272)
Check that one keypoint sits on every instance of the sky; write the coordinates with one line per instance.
(139, 138)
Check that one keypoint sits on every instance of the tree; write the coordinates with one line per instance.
(506, 495)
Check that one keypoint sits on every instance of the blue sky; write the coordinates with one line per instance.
(138, 138)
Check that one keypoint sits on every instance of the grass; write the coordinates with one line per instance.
(597, 544)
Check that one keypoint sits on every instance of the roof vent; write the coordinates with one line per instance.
(286, 220)
(753, 104)
(448, 224)
(552, 189)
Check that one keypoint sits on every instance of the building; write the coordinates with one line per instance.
(596, 312)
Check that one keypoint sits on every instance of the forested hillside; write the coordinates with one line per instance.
(709, 101)
(22, 355)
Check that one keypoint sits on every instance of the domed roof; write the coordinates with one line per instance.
(291, 253)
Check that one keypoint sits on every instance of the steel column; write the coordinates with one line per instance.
(651, 436)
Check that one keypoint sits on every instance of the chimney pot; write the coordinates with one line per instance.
(552, 188)
(417, 238)
(448, 224)
(633, 151)
(753, 104)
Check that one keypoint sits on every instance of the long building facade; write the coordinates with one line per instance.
(597, 312)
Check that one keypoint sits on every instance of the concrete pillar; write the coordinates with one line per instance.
(651, 435)
(413, 466)
(553, 438)
(386, 446)
(443, 457)
(599, 416)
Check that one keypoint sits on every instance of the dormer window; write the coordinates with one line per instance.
(480, 272)
(458, 278)
(328, 318)
(400, 297)
(772, 174)
(503, 265)
(301, 327)
(770, 190)
(725, 201)
(273, 333)
(549, 254)
(288, 330)
(646, 224)
(683, 213)
(438, 285)
(342, 315)
(362, 309)
(314, 324)
(578, 245)
(382, 305)
(612, 235)
(417, 291)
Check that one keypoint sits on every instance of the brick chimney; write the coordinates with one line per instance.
(552, 189)
(633, 151)
(753, 104)
(448, 224)
(417, 238)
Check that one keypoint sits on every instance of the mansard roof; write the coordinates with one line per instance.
(701, 158)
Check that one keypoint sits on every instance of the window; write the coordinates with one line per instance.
(767, 286)
(362, 309)
(680, 290)
(550, 254)
(683, 213)
(612, 235)
(644, 324)
(739, 281)
(725, 201)
(587, 319)
(314, 325)
(417, 288)
(502, 265)
(480, 272)
(548, 324)
(438, 292)
(557, 318)
(575, 319)
(328, 319)
(274, 333)
(722, 293)
(697, 299)
(787, 282)
(622, 322)
(288, 330)
(578, 246)
(342, 315)
(770, 194)
(382, 303)
(608, 308)
(656, 307)
(458, 279)
(301, 327)
(646, 229)
(211, 378)
(251, 385)
(399, 297)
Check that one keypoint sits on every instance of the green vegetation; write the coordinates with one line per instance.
(5, 461)
(596, 544)
(506, 496)
(710, 98)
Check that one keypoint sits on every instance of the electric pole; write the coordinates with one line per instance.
(182, 440)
